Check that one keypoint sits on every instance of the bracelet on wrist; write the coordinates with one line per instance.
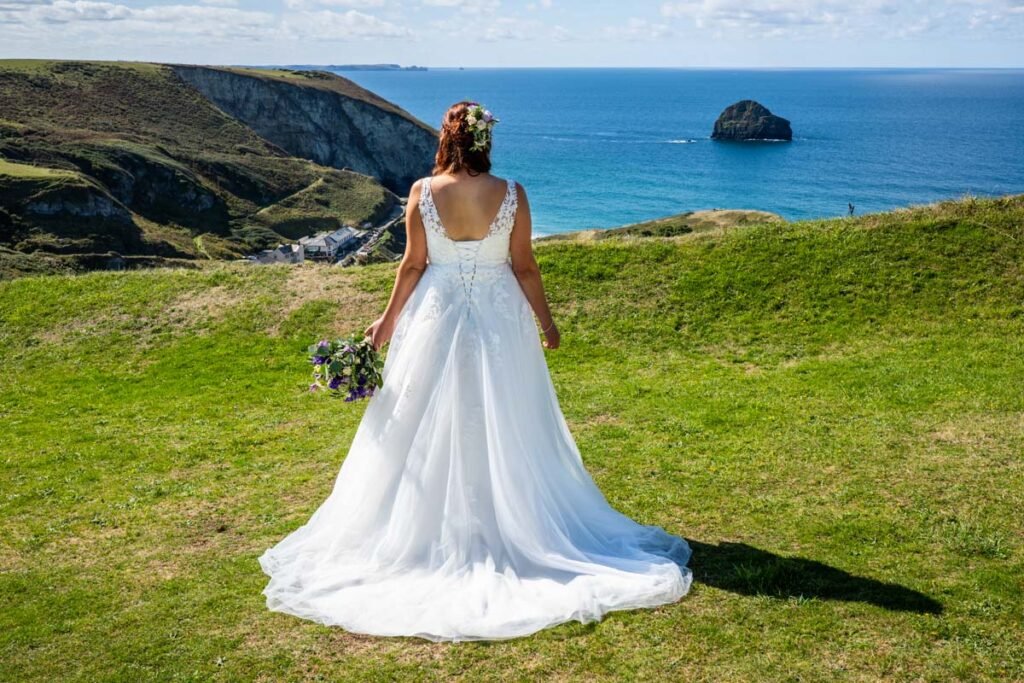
(548, 328)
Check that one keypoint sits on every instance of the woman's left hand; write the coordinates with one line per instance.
(380, 332)
(552, 338)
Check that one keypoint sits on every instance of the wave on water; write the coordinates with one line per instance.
(681, 141)
(555, 138)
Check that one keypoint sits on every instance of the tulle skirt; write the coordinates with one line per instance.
(463, 510)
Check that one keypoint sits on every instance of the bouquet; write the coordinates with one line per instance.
(350, 366)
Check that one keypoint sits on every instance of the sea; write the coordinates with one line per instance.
(602, 147)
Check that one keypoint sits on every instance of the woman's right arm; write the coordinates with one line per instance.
(410, 269)
(524, 265)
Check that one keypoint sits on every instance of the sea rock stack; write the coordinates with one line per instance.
(750, 120)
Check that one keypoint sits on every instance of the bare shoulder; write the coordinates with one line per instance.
(415, 192)
(520, 192)
(503, 182)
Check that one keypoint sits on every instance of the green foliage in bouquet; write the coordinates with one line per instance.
(349, 366)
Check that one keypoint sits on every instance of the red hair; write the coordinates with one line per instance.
(454, 151)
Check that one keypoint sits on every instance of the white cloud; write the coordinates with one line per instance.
(361, 4)
(83, 18)
(328, 25)
(191, 19)
(636, 29)
(492, 29)
(967, 32)
(467, 6)
(504, 29)
(66, 11)
(750, 13)
(824, 18)
(561, 34)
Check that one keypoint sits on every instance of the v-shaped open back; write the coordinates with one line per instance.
(491, 249)
(496, 224)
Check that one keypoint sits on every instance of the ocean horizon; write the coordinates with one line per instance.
(600, 147)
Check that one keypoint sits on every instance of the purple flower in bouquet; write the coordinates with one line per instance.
(351, 367)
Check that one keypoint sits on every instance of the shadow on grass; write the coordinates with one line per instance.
(740, 568)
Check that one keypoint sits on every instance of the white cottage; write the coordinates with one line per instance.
(327, 246)
(284, 253)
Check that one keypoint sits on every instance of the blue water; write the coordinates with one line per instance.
(604, 147)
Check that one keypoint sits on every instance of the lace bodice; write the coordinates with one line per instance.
(491, 250)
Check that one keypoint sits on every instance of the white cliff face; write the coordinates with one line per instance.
(325, 126)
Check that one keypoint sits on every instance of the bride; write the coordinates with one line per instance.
(463, 510)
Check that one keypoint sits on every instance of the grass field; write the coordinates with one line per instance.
(832, 412)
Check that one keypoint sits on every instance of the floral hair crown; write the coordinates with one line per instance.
(480, 122)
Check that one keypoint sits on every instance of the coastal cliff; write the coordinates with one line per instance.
(132, 158)
(322, 117)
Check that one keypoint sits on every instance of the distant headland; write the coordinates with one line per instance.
(356, 67)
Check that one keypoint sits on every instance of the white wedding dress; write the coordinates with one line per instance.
(463, 510)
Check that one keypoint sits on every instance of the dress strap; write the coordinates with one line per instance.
(425, 197)
(506, 217)
(428, 212)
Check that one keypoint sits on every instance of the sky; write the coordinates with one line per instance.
(440, 33)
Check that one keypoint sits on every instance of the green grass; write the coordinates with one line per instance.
(334, 199)
(830, 411)
(19, 182)
(45, 66)
(691, 222)
(15, 170)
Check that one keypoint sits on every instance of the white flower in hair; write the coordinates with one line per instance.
(480, 122)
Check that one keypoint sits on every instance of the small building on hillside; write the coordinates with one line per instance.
(284, 253)
(328, 246)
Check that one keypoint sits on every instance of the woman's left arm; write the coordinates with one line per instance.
(410, 270)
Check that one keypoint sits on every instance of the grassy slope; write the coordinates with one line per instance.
(121, 121)
(831, 412)
(691, 222)
(29, 172)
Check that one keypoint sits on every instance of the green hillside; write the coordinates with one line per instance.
(832, 412)
(689, 223)
(140, 163)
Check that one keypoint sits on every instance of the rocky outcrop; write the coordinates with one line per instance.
(750, 120)
(65, 213)
(153, 185)
(324, 118)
